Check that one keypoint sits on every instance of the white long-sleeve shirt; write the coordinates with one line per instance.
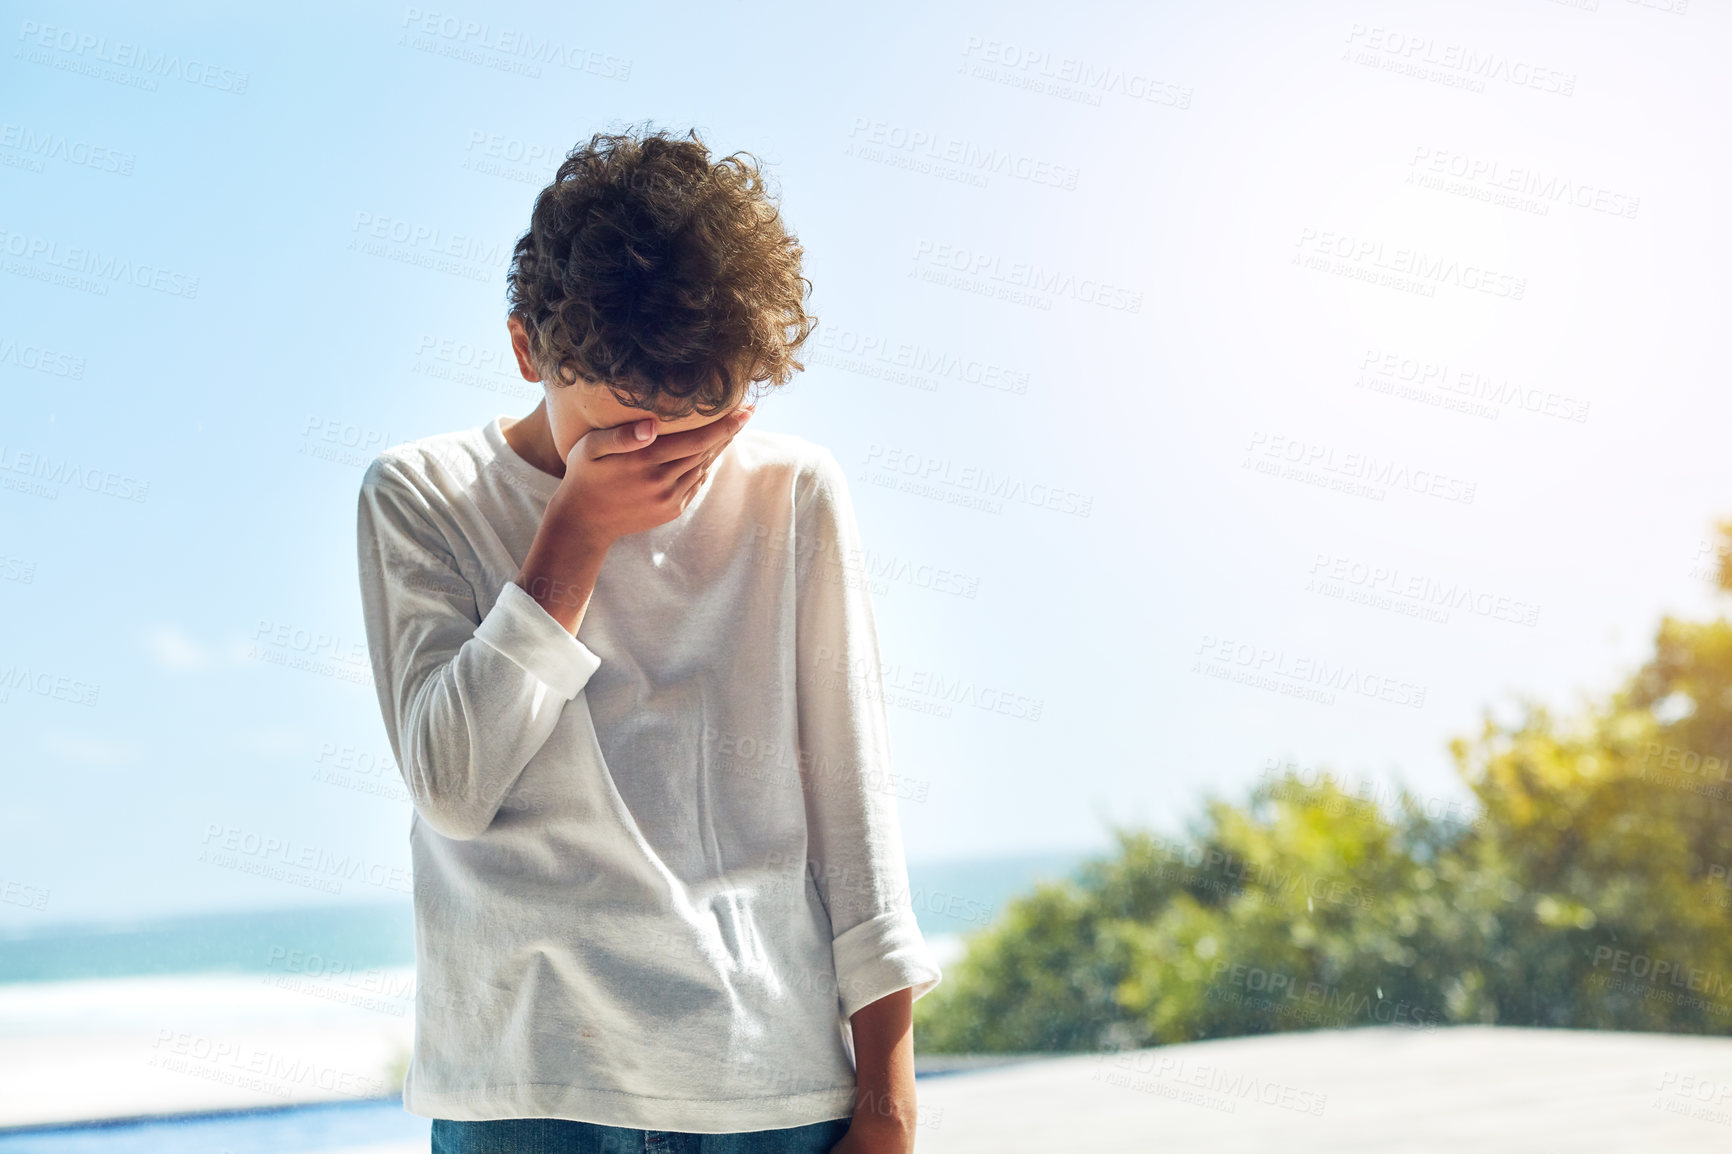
(657, 865)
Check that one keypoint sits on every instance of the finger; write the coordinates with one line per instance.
(691, 442)
(688, 478)
(615, 439)
(705, 459)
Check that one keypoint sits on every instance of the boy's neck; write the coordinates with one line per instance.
(532, 439)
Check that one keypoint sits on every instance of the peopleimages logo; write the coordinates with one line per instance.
(881, 140)
(1520, 180)
(449, 34)
(1232, 1086)
(1664, 980)
(964, 478)
(1417, 52)
(41, 360)
(907, 363)
(1285, 994)
(48, 145)
(105, 267)
(1272, 668)
(1229, 874)
(45, 684)
(1381, 369)
(81, 48)
(1368, 259)
(1415, 590)
(45, 471)
(1067, 77)
(938, 261)
(1354, 472)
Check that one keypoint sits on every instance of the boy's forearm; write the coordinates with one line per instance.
(560, 572)
(884, 1065)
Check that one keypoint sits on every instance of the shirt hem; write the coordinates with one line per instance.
(522, 630)
(613, 1108)
(880, 956)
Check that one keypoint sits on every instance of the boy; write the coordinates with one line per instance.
(636, 701)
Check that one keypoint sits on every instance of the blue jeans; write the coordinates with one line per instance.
(563, 1136)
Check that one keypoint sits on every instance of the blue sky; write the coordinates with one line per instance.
(1180, 358)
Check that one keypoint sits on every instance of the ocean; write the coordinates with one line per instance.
(174, 1033)
(951, 899)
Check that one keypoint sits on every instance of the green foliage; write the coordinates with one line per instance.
(1591, 888)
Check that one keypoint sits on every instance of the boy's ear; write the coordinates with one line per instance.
(520, 346)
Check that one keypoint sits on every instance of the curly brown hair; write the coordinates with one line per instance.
(670, 280)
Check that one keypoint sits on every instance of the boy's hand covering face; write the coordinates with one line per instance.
(715, 433)
(616, 484)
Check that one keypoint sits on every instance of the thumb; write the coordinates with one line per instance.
(634, 435)
(603, 442)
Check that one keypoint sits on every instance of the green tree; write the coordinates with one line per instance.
(1591, 888)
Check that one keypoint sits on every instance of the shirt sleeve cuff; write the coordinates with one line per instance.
(879, 957)
(521, 629)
